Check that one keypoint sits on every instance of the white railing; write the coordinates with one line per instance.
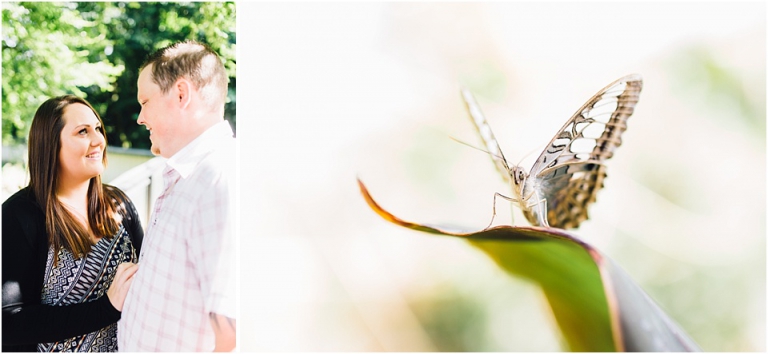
(143, 184)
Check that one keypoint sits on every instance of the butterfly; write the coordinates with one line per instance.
(565, 178)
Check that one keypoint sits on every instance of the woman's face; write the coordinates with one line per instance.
(82, 145)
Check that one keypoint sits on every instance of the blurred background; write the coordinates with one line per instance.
(94, 50)
(345, 90)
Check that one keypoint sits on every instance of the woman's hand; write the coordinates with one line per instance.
(121, 283)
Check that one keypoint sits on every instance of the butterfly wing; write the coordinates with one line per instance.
(570, 171)
(489, 140)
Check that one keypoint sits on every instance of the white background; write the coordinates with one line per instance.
(333, 91)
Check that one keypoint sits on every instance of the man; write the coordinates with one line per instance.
(183, 297)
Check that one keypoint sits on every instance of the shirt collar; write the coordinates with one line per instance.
(185, 160)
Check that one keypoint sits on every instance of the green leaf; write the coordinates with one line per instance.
(596, 304)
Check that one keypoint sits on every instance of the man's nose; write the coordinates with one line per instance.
(141, 121)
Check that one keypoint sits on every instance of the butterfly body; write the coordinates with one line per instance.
(527, 199)
(565, 178)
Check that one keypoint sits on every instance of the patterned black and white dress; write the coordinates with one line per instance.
(73, 281)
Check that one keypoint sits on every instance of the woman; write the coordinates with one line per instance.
(67, 239)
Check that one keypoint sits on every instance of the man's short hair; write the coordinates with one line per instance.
(194, 61)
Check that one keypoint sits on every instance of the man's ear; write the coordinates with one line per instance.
(183, 92)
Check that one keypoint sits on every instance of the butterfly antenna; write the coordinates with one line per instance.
(475, 147)
(526, 155)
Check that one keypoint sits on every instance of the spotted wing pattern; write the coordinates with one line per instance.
(570, 171)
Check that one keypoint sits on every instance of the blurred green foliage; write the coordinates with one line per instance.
(722, 89)
(454, 320)
(93, 50)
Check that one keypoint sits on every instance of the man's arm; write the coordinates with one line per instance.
(224, 329)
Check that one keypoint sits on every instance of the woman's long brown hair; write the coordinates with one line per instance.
(64, 231)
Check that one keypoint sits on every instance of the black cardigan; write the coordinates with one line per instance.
(26, 321)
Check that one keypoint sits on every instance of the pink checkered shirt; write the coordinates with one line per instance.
(187, 267)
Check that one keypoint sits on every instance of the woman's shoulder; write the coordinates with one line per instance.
(115, 194)
(108, 188)
(22, 201)
(119, 199)
(22, 215)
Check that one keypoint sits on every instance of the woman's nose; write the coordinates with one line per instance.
(98, 139)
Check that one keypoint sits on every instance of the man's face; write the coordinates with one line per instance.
(158, 114)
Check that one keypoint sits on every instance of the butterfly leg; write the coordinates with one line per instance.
(497, 194)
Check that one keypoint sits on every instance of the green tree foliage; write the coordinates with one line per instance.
(93, 50)
(49, 50)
